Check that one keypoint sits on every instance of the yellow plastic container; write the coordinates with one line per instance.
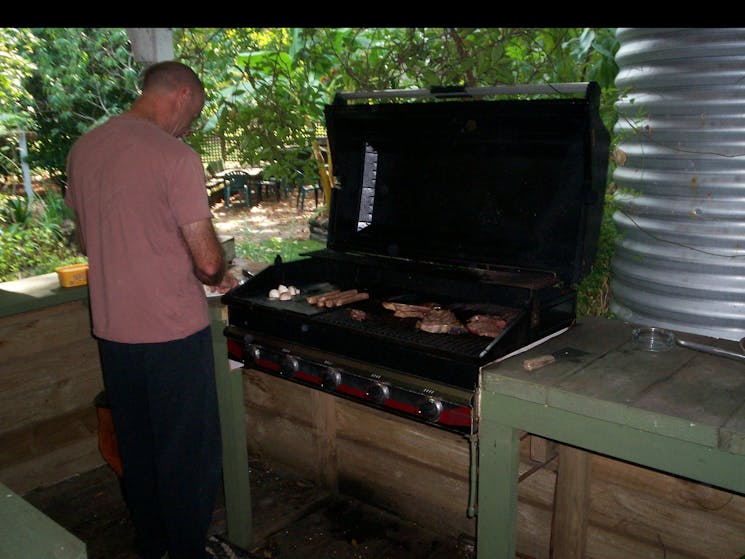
(72, 275)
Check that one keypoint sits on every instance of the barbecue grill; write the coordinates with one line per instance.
(461, 223)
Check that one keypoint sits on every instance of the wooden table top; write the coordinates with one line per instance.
(682, 393)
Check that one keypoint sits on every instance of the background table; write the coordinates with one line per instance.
(678, 411)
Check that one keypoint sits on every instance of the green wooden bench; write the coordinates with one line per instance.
(27, 533)
(679, 412)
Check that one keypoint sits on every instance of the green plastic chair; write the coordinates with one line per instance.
(303, 191)
(235, 181)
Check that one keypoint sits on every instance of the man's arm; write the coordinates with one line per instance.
(207, 254)
(81, 238)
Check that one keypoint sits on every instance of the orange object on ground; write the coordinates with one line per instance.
(107, 444)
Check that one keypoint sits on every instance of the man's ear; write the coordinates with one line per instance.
(183, 95)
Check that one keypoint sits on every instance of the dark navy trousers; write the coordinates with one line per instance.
(163, 403)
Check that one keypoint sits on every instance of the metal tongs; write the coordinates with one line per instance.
(714, 350)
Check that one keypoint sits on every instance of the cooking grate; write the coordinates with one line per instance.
(404, 331)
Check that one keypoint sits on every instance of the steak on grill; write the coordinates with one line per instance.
(441, 321)
(405, 310)
(486, 325)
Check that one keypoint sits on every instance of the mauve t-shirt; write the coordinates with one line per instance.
(132, 186)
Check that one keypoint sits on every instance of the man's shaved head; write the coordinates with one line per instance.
(172, 97)
(170, 75)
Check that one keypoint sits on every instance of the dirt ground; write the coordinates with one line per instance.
(269, 218)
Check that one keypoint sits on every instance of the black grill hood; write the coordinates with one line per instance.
(500, 177)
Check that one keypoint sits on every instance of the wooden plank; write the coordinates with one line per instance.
(624, 374)
(628, 387)
(50, 376)
(279, 413)
(27, 334)
(50, 451)
(395, 463)
(536, 485)
(608, 544)
(380, 457)
(59, 432)
(280, 440)
(41, 347)
(708, 390)
(441, 450)
(634, 378)
(626, 382)
(53, 466)
(571, 504)
(509, 377)
(668, 490)
(52, 383)
(684, 528)
(542, 450)
(414, 491)
(533, 531)
(535, 489)
(324, 421)
(279, 395)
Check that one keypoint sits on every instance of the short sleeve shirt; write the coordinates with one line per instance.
(132, 186)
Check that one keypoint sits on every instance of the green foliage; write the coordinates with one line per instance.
(267, 87)
(16, 110)
(32, 251)
(16, 105)
(54, 209)
(593, 294)
(267, 97)
(32, 240)
(15, 211)
(83, 76)
(267, 250)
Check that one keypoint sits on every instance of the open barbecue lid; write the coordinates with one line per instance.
(487, 177)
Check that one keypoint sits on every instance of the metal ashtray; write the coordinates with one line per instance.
(653, 339)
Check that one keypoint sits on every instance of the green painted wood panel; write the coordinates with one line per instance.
(27, 533)
(236, 480)
(651, 449)
(679, 411)
(35, 293)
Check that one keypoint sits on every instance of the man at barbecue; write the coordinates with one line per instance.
(144, 222)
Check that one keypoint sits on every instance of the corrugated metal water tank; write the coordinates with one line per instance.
(680, 256)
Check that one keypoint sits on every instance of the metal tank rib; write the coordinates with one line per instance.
(680, 253)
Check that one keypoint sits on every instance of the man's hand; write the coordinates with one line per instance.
(227, 283)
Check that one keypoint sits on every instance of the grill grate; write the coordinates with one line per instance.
(404, 331)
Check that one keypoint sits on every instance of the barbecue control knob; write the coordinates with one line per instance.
(290, 366)
(331, 378)
(430, 409)
(378, 392)
(254, 352)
